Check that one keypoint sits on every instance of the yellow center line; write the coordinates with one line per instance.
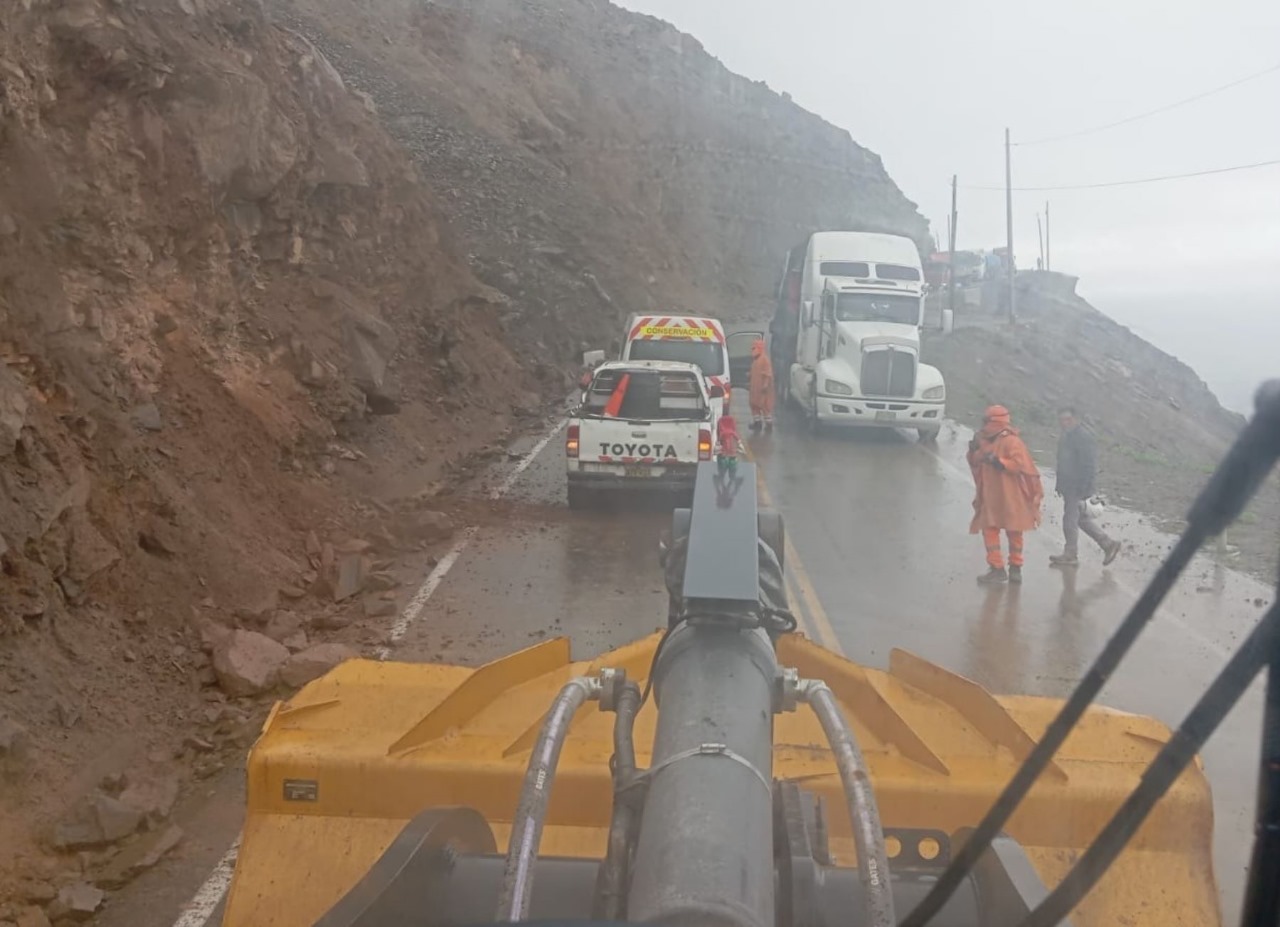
(807, 597)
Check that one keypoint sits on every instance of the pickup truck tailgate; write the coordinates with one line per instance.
(616, 441)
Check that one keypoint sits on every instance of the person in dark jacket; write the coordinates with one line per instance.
(1076, 473)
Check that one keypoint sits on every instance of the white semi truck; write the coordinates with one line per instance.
(846, 334)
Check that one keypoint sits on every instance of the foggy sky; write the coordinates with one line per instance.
(931, 86)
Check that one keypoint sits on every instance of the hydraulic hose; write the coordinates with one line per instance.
(612, 879)
(1235, 481)
(535, 793)
(868, 837)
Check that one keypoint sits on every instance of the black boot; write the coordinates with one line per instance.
(994, 577)
(1015, 575)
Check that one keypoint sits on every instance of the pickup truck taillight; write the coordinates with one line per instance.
(704, 444)
(571, 441)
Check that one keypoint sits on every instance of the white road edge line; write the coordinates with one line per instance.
(425, 591)
(523, 465)
(200, 908)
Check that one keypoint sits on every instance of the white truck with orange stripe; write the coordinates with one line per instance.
(693, 340)
(640, 425)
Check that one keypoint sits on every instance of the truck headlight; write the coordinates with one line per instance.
(936, 392)
(836, 388)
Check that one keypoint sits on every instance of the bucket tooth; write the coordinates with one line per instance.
(979, 707)
(481, 689)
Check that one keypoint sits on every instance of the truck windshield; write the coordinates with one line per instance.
(877, 307)
(708, 355)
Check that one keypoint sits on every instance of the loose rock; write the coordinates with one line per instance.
(314, 662)
(153, 794)
(15, 743)
(283, 625)
(76, 902)
(90, 553)
(375, 606)
(116, 819)
(140, 856)
(98, 821)
(147, 416)
(32, 917)
(248, 663)
(351, 576)
(13, 410)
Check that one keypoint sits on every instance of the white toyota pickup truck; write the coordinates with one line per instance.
(640, 425)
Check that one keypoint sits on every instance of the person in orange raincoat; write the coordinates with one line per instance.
(761, 387)
(1009, 493)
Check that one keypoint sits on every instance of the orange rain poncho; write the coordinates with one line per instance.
(761, 380)
(1009, 489)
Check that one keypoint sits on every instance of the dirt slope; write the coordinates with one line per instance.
(1160, 429)
(215, 271)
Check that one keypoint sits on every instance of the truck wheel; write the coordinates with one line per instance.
(929, 435)
(773, 533)
(815, 423)
(579, 498)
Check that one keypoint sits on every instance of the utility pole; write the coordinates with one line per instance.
(1048, 252)
(1008, 218)
(951, 249)
(1040, 232)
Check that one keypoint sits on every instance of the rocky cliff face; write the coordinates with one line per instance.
(600, 162)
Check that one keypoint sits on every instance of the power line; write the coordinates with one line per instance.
(1151, 112)
(1129, 183)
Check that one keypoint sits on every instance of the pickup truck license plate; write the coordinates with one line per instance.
(638, 473)
(886, 416)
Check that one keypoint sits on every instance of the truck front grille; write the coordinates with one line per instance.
(888, 373)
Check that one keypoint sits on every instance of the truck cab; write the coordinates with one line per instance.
(857, 335)
(723, 359)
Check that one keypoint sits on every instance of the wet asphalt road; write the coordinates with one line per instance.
(880, 557)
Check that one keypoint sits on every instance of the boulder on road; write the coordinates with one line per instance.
(425, 526)
(96, 821)
(116, 819)
(314, 662)
(140, 856)
(248, 663)
(283, 626)
(352, 573)
(77, 902)
(153, 794)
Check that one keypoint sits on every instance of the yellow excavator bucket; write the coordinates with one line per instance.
(342, 767)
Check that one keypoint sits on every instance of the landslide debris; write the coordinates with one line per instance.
(231, 319)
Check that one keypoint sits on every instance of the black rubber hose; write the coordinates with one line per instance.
(611, 882)
(1202, 721)
(1262, 894)
(1235, 481)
